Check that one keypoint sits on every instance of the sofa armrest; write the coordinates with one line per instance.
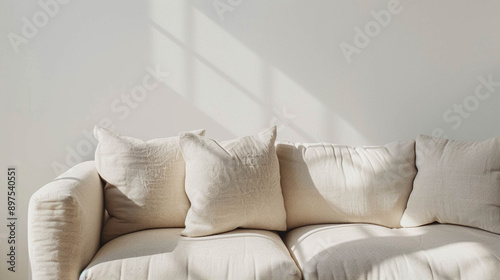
(64, 223)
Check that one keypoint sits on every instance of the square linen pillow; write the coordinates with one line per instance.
(144, 182)
(232, 184)
(457, 183)
(327, 183)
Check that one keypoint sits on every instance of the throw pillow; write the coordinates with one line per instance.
(457, 183)
(144, 182)
(232, 184)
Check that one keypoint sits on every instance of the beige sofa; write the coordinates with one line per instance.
(424, 209)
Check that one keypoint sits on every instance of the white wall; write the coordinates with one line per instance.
(256, 63)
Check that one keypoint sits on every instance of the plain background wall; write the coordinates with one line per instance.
(236, 67)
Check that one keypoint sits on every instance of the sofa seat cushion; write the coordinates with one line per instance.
(364, 251)
(165, 254)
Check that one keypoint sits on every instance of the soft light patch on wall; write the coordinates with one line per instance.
(228, 81)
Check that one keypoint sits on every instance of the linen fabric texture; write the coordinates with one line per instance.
(232, 184)
(327, 183)
(64, 223)
(372, 252)
(144, 182)
(457, 183)
(163, 254)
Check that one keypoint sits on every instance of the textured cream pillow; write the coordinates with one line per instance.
(326, 183)
(457, 183)
(144, 182)
(232, 184)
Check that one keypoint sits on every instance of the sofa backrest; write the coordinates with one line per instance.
(326, 183)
